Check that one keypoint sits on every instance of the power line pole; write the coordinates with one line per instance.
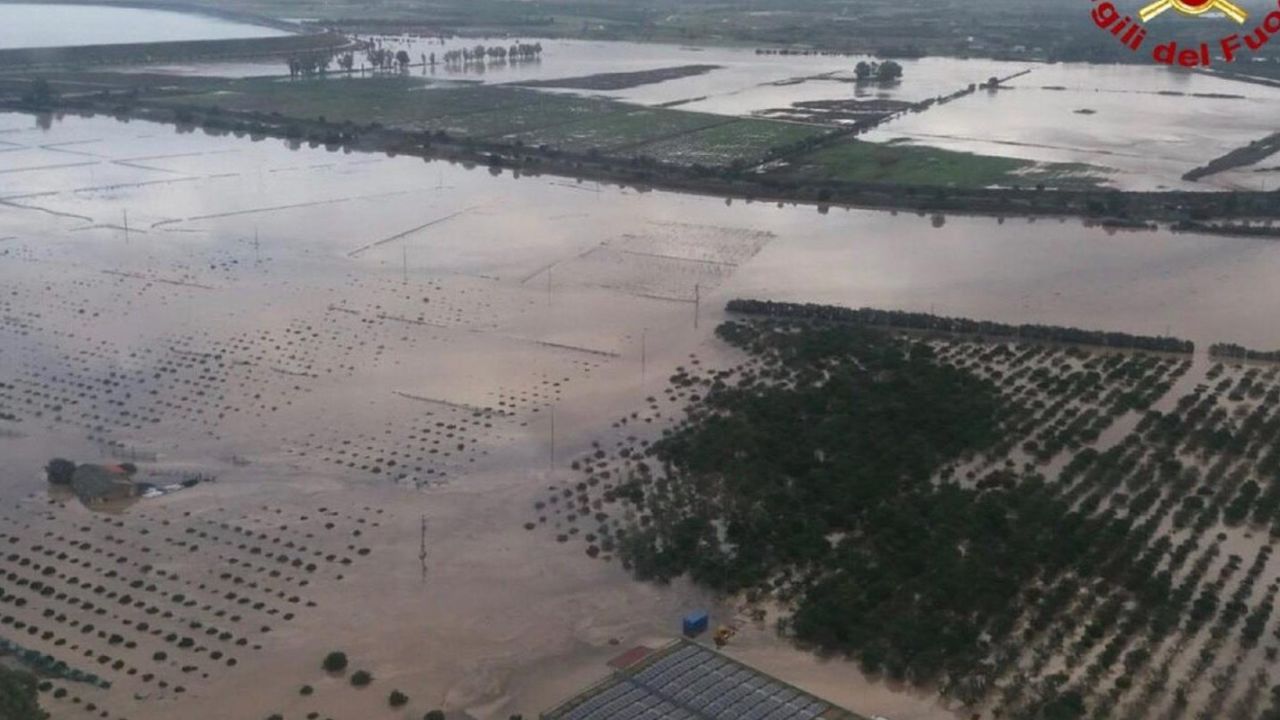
(697, 301)
(126, 226)
(422, 552)
(643, 355)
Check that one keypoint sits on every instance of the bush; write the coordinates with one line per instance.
(60, 471)
(306, 690)
(335, 662)
(397, 699)
(361, 678)
(434, 715)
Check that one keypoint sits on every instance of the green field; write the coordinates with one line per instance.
(402, 102)
(739, 141)
(575, 124)
(894, 162)
(506, 113)
(631, 126)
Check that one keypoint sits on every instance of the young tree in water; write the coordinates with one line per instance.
(402, 59)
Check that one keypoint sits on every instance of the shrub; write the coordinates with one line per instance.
(60, 471)
(434, 715)
(397, 699)
(306, 690)
(361, 678)
(335, 662)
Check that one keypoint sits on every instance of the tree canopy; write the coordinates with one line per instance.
(18, 696)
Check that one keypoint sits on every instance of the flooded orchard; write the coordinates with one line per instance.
(360, 346)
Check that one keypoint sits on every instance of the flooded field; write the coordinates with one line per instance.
(1142, 126)
(1149, 124)
(33, 25)
(355, 344)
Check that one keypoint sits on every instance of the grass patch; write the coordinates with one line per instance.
(618, 131)
(624, 80)
(405, 103)
(389, 100)
(740, 141)
(508, 113)
(895, 162)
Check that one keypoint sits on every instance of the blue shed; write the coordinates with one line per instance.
(696, 622)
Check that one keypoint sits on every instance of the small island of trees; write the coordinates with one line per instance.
(885, 73)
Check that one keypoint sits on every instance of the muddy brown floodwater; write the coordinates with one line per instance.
(355, 343)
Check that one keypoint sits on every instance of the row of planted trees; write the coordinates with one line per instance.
(381, 58)
(520, 52)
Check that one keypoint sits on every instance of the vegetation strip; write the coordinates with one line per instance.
(923, 321)
(622, 80)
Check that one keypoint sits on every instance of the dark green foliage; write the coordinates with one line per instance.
(18, 696)
(1067, 706)
(60, 471)
(877, 430)
(335, 662)
(39, 95)
(434, 715)
(923, 321)
(397, 699)
(813, 477)
(361, 678)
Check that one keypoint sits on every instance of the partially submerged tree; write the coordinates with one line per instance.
(60, 471)
(335, 662)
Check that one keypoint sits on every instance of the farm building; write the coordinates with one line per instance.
(686, 681)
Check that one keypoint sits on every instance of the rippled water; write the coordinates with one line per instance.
(30, 25)
(1150, 124)
(202, 194)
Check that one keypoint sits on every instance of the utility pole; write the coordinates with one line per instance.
(257, 250)
(697, 301)
(126, 226)
(643, 355)
(422, 552)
